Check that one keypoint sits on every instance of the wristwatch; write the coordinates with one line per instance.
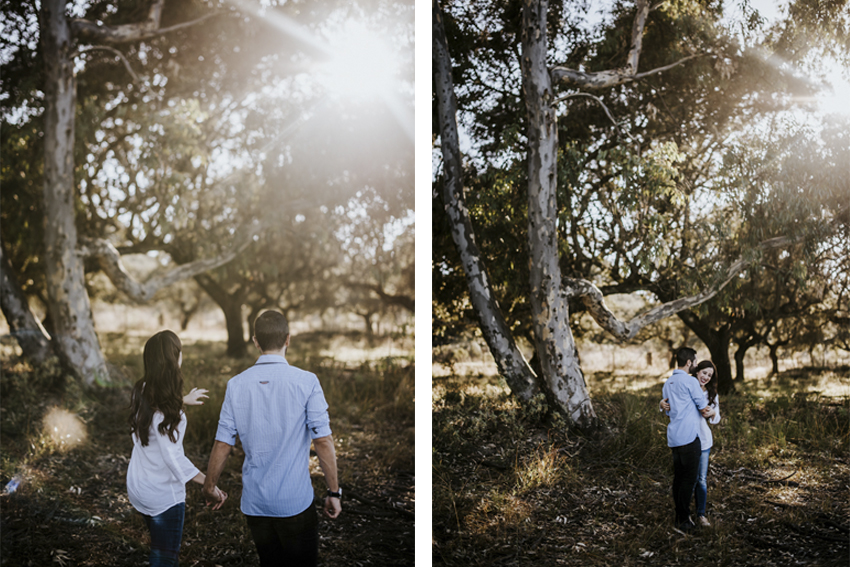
(337, 494)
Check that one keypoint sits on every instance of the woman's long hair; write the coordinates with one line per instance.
(711, 385)
(161, 389)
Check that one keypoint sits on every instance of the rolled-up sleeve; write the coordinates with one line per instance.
(226, 432)
(318, 422)
(697, 395)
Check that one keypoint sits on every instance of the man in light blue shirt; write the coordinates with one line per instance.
(276, 410)
(687, 401)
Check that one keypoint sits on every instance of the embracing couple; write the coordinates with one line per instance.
(275, 409)
(691, 402)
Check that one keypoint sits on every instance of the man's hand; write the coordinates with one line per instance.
(332, 507)
(215, 498)
(193, 398)
(707, 412)
(664, 405)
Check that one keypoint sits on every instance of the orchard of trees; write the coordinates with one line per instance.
(674, 150)
(202, 134)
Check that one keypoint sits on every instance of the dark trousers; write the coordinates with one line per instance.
(166, 532)
(287, 541)
(685, 469)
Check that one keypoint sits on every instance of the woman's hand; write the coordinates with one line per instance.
(664, 405)
(217, 498)
(193, 398)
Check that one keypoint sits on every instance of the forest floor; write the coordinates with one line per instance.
(514, 486)
(71, 507)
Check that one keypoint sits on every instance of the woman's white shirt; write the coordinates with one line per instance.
(157, 474)
(705, 437)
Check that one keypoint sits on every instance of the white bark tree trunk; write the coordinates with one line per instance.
(550, 311)
(510, 361)
(68, 301)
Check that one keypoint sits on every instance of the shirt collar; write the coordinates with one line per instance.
(270, 358)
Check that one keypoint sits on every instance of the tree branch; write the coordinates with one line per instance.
(120, 56)
(605, 79)
(401, 300)
(125, 33)
(594, 301)
(110, 262)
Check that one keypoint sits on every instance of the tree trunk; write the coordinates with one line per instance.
(739, 363)
(231, 305)
(717, 341)
(774, 359)
(68, 300)
(509, 359)
(554, 340)
(22, 323)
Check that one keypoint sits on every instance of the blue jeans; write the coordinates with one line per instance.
(166, 532)
(701, 488)
(292, 541)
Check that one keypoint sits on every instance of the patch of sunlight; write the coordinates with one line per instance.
(546, 468)
(497, 513)
(64, 429)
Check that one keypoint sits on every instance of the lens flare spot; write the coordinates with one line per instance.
(64, 428)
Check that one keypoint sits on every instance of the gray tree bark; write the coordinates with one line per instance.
(550, 312)
(24, 326)
(510, 361)
(76, 342)
(68, 301)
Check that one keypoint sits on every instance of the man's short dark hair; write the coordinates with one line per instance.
(271, 329)
(684, 354)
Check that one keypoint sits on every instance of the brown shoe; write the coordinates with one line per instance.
(703, 522)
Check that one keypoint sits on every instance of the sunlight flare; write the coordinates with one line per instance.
(361, 66)
(64, 429)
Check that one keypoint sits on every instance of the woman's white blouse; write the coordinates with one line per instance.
(705, 437)
(157, 474)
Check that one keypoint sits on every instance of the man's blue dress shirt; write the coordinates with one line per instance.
(686, 398)
(276, 410)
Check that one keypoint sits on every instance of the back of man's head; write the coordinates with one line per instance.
(271, 330)
(683, 355)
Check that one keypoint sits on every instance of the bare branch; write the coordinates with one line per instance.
(667, 67)
(605, 79)
(110, 262)
(125, 33)
(604, 107)
(594, 301)
(120, 56)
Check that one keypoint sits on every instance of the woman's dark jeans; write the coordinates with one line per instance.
(166, 532)
(292, 541)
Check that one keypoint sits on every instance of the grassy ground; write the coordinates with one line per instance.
(72, 508)
(512, 486)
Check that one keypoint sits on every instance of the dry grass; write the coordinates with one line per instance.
(514, 487)
(73, 499)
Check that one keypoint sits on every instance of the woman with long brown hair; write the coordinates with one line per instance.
(159, 470)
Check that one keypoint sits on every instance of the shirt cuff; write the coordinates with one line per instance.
(319, 430)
